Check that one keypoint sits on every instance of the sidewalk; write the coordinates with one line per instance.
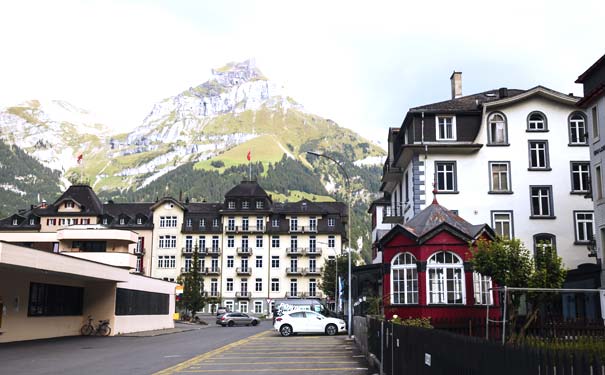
(178, 327)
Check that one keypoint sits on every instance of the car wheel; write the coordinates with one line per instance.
(254, 322)
(286, 330)
(230, 324)
(331, 330)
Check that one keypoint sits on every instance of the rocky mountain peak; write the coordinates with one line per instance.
(236, 73)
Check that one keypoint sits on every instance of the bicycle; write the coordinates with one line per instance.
(102, 329)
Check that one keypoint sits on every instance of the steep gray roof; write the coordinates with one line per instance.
(81, 194)
(247, 189)
(466, 103)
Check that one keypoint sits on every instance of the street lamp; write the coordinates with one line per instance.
(344, 172)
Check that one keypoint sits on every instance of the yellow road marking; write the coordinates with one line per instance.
(309, 357)
(281, 370)
(275, 363)
(180, 366)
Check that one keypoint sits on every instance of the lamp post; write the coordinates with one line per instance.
(344, 172)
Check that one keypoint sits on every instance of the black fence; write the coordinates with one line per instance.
(414, 351)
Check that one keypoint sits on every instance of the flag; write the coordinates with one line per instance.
(79, 158)
(248, 157)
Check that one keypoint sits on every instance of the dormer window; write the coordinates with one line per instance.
(245, 205)
(446, 128)
(275, 223)
(331, 221)
(188, 223)
(32, 221)
(259, 205)
(139, 220)
(69, 204)
(497, 131)
(215, 222)
(15, 222)
(104, 221)
(202, 223)
(231, 205)
(536, 122)
(122, 221)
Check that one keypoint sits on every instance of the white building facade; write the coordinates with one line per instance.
(515, 159)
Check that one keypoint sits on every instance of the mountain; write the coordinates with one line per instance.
(195, 144)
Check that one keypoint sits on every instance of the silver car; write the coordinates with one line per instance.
(231, 319)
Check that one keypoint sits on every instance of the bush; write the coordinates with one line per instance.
(412, 322)
(217, 163)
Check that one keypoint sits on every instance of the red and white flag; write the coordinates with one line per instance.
(249, 156)
(79, 158)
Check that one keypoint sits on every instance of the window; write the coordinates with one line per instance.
(404, 279)
(231, 241)
(275, 285)
(577, 129)
(446, 128)
(231, 205)
(245, 246)
(215, 243)
(215, 222)
(259, 241)
(312, 244)
(538, 155)
(229, 306)
(312, 264)
(260, 223)
(122, 221)
(139, 220)
(15, 222)
(294, 243)
(54, 300)
(584, 226)
(502, 222)
(259, 205)
(275, 261)
(275, 223)
(202, 223)
(258, 285)
(536, 122)
(243, 286)
(231, 224)
(245, 224)
(188, 223)
(201, 241)
(187, 264)
(32, 221)
(229, 285)
(595, 124)
(259, 262)
(293, 287)
(331, 241)
(312, 288)
(331, 221)
(188, 243)
(544, 240)
(230, 261)
(166, 261)
(104, 221)
(445, 279)
(69, 204)
(541, 201)
(258, 307)
(274, 241)
(481, 287)
(245, 205)
(167, 222)
(407, 187)
(445, 176)
(497, 129)
(214, 290)
(243, 306)
(598, 182)
(500, 176)
(313, 224)
(137, 302)
(293, 224)
(580, 176)
(167, 242)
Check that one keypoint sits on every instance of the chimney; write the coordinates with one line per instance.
(43, 205)
(456, 81)
(503, 92)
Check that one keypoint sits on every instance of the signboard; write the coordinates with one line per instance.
(602, 296)
(427, 359)
(269, 300)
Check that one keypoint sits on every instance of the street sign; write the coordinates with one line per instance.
(602, 295)
(269, 300)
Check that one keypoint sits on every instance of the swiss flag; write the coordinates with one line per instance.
(79, 158)
(248, 157)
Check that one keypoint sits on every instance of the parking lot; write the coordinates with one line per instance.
(269, 353)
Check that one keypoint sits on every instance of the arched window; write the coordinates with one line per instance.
(544, 240)
(577, 129)
(445, 279)
(536, 122)
(404, 279)
(497, 131)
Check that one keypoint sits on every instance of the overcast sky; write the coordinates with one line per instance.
(359, 63)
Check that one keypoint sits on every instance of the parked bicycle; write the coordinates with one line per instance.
(102, 329)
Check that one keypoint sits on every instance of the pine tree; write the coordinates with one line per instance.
(193, 300)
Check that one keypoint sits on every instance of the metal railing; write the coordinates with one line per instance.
(244, 250)
(314, 271)
(295, 251)
(212, 271)
(245, 295)
(295, 271)
(243, 271)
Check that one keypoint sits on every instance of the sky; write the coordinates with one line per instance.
(362, 64)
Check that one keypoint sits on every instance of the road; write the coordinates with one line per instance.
(211, 349)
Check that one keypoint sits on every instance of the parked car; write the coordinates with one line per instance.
(221, 310)
(293, 322)
(231, 319)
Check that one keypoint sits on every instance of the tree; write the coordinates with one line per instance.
(193, 300)
(509, 263)
(328, 277)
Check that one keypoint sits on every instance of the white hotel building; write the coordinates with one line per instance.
(515, 159)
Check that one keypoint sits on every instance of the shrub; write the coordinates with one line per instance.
(412, 322)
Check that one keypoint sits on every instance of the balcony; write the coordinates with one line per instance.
(244, 251)
(243, 295)
(391, 173)
(212, 271)
(314, 251)
(295, 271)
(295, 251)
(303, 229)
(316, 294)
(295, 295)
(314, 271)
(393, 215)
(138, 251)
(212, 293)
(213, 251)
(243, 271)
(140, 271)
